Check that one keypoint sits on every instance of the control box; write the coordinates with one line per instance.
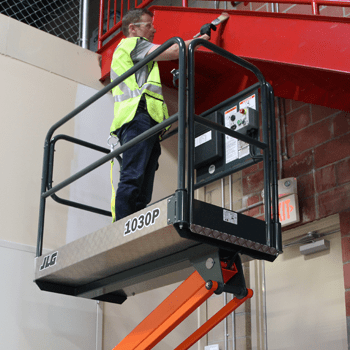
(242, 120)
(208, 143)
(217, 153)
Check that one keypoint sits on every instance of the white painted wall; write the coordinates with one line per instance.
(40, 75)
(31, 319)
(305, 300)
(94, 189)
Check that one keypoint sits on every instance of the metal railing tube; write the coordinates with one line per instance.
(191, 107)
(154, 130)
(181, 193)
(222, 129)
(50, 172)
(266, 163)
(190, 128)
(182, 117)
(277, 233)
(266, 139)
(69, 116)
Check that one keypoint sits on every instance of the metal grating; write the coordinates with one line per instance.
(57, 17)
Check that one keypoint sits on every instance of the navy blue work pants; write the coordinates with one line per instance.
(139, 165)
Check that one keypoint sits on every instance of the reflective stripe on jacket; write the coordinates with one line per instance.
(128, 93)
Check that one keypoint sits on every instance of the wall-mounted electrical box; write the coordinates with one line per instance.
(215, 152)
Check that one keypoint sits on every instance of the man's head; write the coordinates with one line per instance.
(138, 23)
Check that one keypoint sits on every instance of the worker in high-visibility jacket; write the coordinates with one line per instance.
(139, 105)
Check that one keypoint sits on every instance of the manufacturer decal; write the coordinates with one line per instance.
(49, 260)
(230, 217)
(144, 220)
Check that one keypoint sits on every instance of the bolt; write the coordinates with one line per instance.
(209, 263)
(209, 285)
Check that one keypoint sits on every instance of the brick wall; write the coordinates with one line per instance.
(317, 153)
(315, 149)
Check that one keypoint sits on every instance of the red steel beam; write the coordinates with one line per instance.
(304, 57)
(298, 54)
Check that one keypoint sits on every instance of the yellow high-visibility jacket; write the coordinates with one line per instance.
(127, 94)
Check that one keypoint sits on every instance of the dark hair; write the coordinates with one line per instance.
(133, 16)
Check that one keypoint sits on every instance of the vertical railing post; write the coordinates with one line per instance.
(42, 205)
(181, 176)
(315, 8)
(266, 162)
(100, 24)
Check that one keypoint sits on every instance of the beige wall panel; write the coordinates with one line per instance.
(32, 100)
(48, 52)
(305, 300)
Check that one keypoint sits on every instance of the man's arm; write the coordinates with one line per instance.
(172, 53)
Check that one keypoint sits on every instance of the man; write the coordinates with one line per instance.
(139, 105)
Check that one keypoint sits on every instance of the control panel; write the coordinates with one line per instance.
(242, 120)
(216, 152)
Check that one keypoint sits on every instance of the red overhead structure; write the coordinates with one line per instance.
(304, 57)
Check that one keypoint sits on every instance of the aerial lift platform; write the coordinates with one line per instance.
(178, 238)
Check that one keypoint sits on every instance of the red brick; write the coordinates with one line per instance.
(320, 112)
(341, 124)
(331, 11)
(306, 186)
(342, 171)
(312, 136)
(307, 209)
(253, 183)
(287, 105)
(325, 178)
(347, 303)
(345, 245)
(250, 170)
(332, 151)
(346, 268)
(290, 146)
(253, 199)
(344, 218)
(334, 201)
(298, 165)
(298, 119)
(253, 212)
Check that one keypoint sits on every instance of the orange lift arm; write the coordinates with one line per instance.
(193, 292)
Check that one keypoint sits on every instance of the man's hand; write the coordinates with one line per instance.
(207, 28)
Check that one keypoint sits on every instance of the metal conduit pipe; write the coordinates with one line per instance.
(263, 287)
(279, 140)
(233, 313)
(225, 294)
(85, 18)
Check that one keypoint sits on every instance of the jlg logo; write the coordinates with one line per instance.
(49, 261)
